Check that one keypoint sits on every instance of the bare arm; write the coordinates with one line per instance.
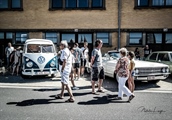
(92, 60)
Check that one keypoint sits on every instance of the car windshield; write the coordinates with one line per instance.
(47, 49)
(37, 48)
(171, 55)
(114, 54)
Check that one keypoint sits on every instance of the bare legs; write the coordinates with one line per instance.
(131, 84)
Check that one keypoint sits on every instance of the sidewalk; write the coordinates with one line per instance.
(18, 81)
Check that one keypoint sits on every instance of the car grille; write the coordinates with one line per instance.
(147, 71)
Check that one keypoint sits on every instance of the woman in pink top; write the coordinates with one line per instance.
(122, 72)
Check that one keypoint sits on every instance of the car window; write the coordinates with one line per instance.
(33, 48)
(114, 54)
(171, 55)
(47, 49)
(153, 56)
(163, 57)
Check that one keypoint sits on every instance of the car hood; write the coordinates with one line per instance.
(143, 64)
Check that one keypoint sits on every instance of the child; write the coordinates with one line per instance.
(131, 84)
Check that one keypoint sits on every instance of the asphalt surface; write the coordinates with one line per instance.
(34, 99)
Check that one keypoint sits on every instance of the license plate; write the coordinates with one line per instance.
(42, 73)
(151, 77)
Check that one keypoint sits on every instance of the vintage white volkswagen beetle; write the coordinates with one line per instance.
(144, 71)
(39, 58)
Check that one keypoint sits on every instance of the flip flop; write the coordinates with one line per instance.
(101, 91)
(70, 100)
(58, 97)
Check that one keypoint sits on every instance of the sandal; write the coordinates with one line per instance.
(70, 100)
(58, 97)
(101, 91)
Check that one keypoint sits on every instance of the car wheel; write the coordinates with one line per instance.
(154, 81)
(88, 70)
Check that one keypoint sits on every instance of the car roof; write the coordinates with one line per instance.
(38, 41)
(114, 51)
(162, 52)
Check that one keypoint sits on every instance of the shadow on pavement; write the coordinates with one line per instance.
(102, 100)
(31, 102)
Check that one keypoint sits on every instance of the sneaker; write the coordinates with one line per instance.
(75, 88)
(130, 98)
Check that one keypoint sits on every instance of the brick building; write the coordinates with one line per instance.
(129, 23)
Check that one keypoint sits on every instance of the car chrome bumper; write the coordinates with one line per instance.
(151, 77)
(32, 73)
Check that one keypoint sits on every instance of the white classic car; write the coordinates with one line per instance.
(144, 71)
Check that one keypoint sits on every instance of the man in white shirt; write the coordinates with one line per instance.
(8, 51)
(84, 58)
(65, 71)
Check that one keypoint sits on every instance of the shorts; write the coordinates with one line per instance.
(76, 65)
(97, 73)
(132, 73)
(83, 62)
(65, 77)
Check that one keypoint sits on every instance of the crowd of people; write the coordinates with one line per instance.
(72, 61)
(13, 57)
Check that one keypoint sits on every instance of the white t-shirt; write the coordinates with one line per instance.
(8, 51)
(66, 54)
(85, 52)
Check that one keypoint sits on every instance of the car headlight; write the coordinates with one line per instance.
(52, 64)
(167, 70)
(163, 70)
(29, 64)
(137, 71)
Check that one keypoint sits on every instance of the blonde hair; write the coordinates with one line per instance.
(123, 51)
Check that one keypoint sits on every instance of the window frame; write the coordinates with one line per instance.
(109, 38)
(51, 8)
(51, 37)
(130, 44)
(11, 8)
(150, 5)
(20, 37)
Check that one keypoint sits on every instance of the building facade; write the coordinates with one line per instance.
(119, 23)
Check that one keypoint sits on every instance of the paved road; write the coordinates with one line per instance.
(33, 99)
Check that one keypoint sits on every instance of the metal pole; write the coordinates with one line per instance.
(119, 24)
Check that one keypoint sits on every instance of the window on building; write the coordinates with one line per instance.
(57, 3)
(10, 4)
(168, 38)
(1, 35)
(83, 3)
(168, 2)
(76, 4)
(84, 38)
(157, 2)
(70, 38)
(153, 3)
(71, 3)
(104, 37)
(9, 35)
(97, 3)
(3, 4)
(135, 38)
(143, 3)
(51, 36)
(154, 38)
(158, 37)
(21, 37)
